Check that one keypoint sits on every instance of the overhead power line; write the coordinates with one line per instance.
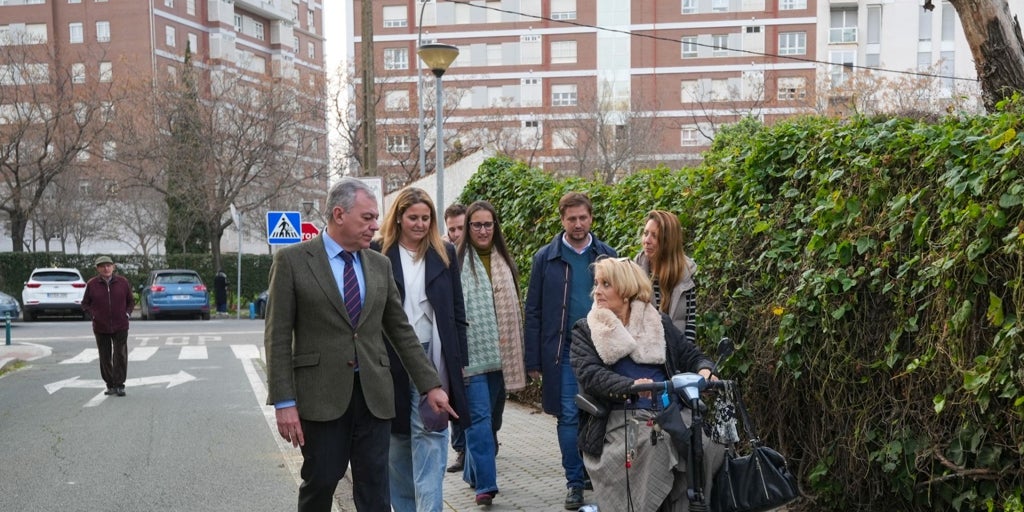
(750, 52)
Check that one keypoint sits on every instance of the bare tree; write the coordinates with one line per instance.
(867, 92)
(723, 101)
(607, 136)
(51, 110)
(249, 143)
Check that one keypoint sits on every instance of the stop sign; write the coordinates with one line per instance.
(309, 230)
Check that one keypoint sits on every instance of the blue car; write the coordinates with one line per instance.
(9, 307)
(174, 292)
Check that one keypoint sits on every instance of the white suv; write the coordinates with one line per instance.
(53, 291)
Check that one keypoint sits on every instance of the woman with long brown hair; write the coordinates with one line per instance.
(495, 340)
(671, 271)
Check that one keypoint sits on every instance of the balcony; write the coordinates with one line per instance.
(842, 35)
(282, 10)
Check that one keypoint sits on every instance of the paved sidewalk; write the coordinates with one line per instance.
(9, 354)
(529, 468)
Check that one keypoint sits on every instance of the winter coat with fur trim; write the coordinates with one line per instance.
(591, 360)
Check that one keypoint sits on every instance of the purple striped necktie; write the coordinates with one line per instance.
(353, 301)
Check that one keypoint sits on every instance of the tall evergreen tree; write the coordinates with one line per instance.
(185, 231)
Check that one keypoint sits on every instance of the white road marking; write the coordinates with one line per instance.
(142, 353)
(86, 356)
(191, 352)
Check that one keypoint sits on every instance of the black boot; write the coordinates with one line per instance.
(460, 461)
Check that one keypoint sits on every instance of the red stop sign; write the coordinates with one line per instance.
(309, 230)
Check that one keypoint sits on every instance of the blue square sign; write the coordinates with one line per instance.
(283, 228)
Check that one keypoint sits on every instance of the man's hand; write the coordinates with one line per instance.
(290, 428)
(534, 375)
(438, 401)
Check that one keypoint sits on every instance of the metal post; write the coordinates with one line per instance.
(7, 328)
(238, 288)
(439, 147)
(419, 94)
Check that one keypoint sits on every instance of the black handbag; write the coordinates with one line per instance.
(756, 482)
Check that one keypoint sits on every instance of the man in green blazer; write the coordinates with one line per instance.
(329, 380)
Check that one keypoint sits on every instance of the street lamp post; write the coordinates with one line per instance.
(419, 93)
(438, 57)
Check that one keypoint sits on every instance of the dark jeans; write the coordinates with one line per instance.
(459, 435)
(113, 350)
(356, 436)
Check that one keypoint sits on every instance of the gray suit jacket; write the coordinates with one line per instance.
(312, 346)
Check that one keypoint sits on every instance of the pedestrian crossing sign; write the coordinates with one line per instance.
(283, 228)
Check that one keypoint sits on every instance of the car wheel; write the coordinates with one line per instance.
(205, 316)
(28, 316)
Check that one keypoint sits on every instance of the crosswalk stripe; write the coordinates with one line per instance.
(86, 356)
(188, 352)
(193, 352)
(246, 351)
(142, 353)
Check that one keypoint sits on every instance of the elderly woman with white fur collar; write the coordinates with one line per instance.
(623, 341)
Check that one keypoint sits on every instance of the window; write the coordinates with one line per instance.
(78, 73)
(74, 1)
(107, 110)
(494, 55)
(792, 88)
(103, 31)
(841, 64)
(563, 138)
(193, 43)
(924, 25)
(169, 3)
(719, 5)
(106, 72)
(398, 143)
(720, 45)
(689, 47)
(109, 150)
(529, 49)
(689, 7)
(311, 50)
(76, 35)
(295, 43)
(563, 9)
(753, 29)
(563, 52)
(689, 91)
(169, 35)
(689, 136)
(874, 28)
(948, 21)
(311, 19)
(843, 26)
(396, 100)
(257, 30)
(238, 23)
(563, 95)
(394, 16)
(792, 43)
(790, 5)
(530, 93)
(190, 7)
(396, 58)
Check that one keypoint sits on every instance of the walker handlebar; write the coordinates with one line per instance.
(688, 384)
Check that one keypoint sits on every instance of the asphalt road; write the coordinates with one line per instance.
(192, 433)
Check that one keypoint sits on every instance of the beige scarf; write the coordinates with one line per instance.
(509, 312)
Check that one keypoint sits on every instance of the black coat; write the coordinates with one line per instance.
(444, 291)
(612, 389)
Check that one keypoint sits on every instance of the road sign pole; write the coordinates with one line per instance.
(238, 289)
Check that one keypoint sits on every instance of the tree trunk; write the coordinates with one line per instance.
(18, 226)
(995, 40)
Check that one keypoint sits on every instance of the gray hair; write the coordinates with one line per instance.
(344, 192)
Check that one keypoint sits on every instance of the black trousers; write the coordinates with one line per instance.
(113, 357)
(357, 437)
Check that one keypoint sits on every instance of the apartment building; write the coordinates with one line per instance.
(109, 41)
(617, 83)
(563, 83)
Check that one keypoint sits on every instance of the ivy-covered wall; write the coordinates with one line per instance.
(871, 273)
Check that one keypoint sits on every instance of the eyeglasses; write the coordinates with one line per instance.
(481, 226)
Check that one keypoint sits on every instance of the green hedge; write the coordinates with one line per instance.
(16, 267)
(871, 273)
